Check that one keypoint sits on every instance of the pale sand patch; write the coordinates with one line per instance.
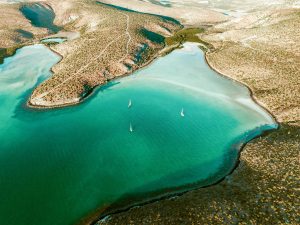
(188, 16)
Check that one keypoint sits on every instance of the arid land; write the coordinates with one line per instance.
(112, 43)
(107, 42)
(15, 30)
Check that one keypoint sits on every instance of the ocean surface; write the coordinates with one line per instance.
(59, 165)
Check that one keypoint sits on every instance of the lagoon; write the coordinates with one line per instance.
(40, 15)
(56, 40)
(59, 165)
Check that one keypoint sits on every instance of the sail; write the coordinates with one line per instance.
(130, 128)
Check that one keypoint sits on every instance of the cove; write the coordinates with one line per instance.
(40, 15)
(59, 165)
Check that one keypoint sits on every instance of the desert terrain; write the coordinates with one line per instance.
(112, 43)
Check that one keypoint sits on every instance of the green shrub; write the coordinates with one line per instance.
(185, 35)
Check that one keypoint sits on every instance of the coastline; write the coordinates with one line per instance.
(93, 219)
(13, 50)
(169, 195)
(159, 54)
(263, 186)
(243, 84)
(93, 79)
(101, 214)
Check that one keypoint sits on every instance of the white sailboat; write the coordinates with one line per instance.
(129, 103)
(130, 128)
(182, 112)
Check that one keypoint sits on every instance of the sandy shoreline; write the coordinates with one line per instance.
(94, 89)
(100, 214)
(245, 85)
(95, 57)
(262, 188)
(167, 195)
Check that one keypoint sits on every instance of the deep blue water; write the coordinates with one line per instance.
(40, 15)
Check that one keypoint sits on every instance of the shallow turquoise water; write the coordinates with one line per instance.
(56, 40)
(59, 165)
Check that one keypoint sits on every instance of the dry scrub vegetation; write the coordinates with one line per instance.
(113, 42)
(14, 27)
(15, 30)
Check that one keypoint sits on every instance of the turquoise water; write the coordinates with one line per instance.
(59, 165)
(56, 40)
